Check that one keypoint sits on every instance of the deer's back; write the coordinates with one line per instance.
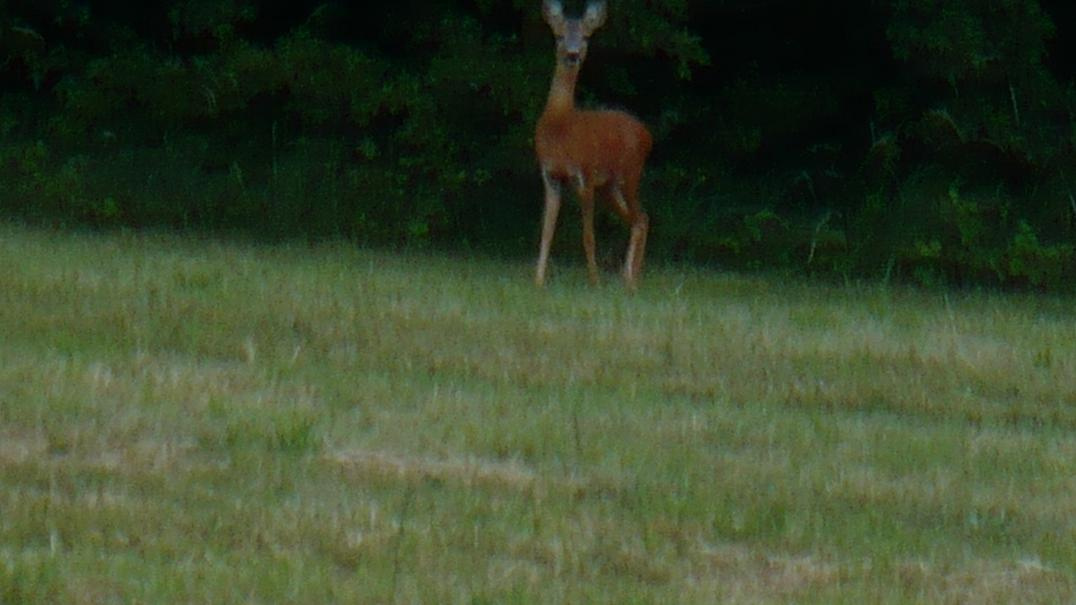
(606, 142)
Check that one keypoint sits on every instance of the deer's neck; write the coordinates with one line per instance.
(561, 101)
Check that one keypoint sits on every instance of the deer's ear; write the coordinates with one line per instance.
(553, 13)
(595, 15)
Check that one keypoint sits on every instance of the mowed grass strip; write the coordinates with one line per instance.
(189, 420)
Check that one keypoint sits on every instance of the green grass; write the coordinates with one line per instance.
(192, 421)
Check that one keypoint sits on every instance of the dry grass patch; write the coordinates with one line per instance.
(185, 420)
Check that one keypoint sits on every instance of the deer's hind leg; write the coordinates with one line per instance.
(625, 201)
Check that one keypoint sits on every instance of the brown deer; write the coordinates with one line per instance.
(599, 152)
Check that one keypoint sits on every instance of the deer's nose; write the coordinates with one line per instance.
(572, 57)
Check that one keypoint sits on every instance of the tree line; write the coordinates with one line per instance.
(916, 140)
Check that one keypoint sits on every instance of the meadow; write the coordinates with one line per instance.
(191, 420)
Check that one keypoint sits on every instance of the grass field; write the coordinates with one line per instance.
(196, 421)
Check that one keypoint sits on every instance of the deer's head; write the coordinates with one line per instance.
(572, 34)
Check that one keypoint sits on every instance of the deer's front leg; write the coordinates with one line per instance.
(549, 225)
(586, 200)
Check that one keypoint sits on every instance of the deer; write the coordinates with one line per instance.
(598, 152)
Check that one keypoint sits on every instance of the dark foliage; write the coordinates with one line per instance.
(908, 139)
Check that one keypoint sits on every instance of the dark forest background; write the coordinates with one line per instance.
(922, 140)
